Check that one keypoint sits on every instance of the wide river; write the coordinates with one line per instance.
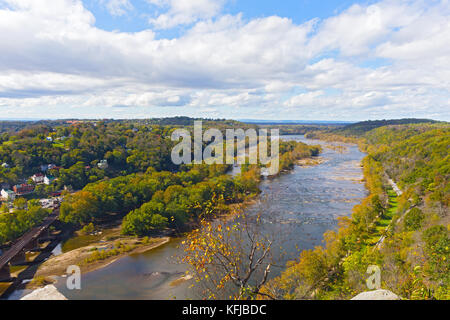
(302, 204)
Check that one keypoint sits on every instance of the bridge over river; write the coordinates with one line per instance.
(28, 242)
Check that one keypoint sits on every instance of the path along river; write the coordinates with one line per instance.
(303, 204)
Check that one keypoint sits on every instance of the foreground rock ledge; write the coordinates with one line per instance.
(47, 293)
(377, 295)
(51, 293)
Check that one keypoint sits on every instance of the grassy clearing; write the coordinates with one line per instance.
(80, 241)
(383, 223)
(119, 248)
(390, 212)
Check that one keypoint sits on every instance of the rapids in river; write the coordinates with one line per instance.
(300, 206)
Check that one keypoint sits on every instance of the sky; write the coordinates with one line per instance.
(237, 59)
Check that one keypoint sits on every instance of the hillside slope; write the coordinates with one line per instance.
(414, 254)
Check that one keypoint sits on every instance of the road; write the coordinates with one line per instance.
(395, 187)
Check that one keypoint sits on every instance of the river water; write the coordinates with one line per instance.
(300, 206)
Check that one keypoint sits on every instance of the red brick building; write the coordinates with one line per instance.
(21, 189)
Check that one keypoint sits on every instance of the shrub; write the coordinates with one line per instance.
(413, 219)
(88, 229)
(437, 243)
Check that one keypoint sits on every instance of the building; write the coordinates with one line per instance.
(8, 195)
(5, 165)
(46, 167)
(103, 164)
(50, 203)
(38, 178)
(48, 180)
(21, 189)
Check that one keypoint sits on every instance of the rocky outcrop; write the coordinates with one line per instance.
(47, 293)
(377, 295)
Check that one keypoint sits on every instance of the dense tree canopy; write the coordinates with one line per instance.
(14, 224)
(406, 235)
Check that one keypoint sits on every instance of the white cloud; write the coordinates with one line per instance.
(357, 29)
(117, 7)
(181, 12)
(54, 56)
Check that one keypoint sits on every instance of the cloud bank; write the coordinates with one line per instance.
(389, 59)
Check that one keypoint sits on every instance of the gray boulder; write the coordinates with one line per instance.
(377, 295)
(47, 293)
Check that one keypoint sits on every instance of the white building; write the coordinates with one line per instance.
(48, 180)
(8, 195)
(103, 164)
(38, 178)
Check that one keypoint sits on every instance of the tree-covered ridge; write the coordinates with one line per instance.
(417, 157)
(76, 147)
(76, 150)
(354, 132)
(12, 126)
(366, 126)
(407, 235)
(298, 129)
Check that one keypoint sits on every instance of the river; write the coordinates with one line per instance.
(303, 204)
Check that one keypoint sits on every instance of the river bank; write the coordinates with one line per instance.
(102, 248)
(82, 257)
(303, 202)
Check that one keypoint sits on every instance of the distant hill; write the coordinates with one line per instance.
(13, 125)
(17, 125)
(294, 122)
(365, 126)
(185, 121)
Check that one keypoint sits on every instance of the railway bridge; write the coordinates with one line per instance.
(15, 255)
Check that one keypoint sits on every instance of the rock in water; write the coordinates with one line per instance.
(47, 293)
(377, 295)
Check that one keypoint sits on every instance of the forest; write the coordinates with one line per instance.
(140, 184)
(407, 235)
(26, 214)
(156, 200)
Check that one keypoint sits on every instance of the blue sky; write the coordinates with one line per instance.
(266, 59)
(299, 11)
